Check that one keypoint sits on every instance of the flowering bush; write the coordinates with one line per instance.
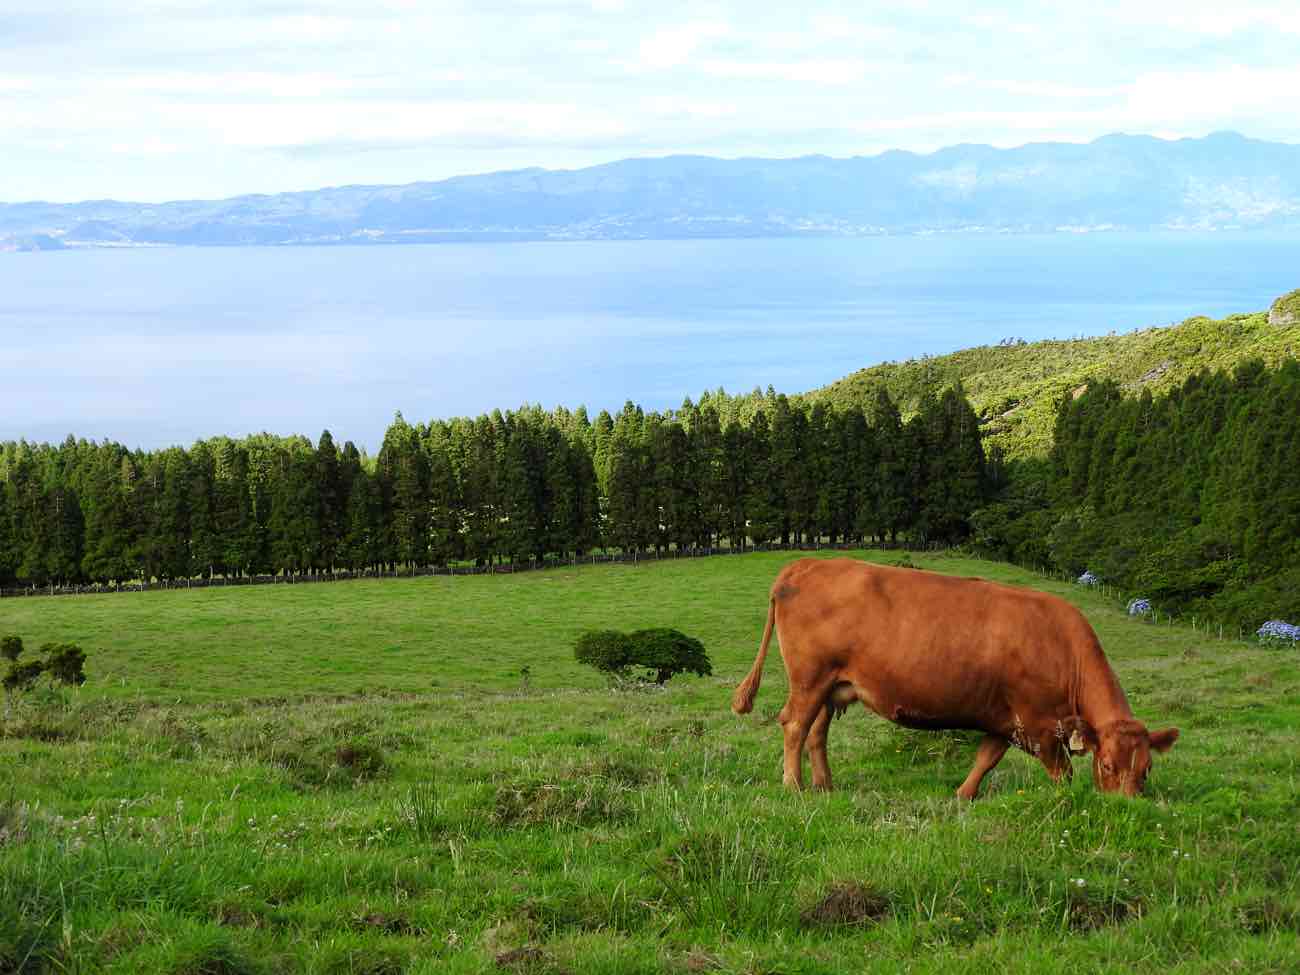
(1087, 579)
(1277, 631)
(1139, 607)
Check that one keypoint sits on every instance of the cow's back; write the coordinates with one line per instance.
(924, 648)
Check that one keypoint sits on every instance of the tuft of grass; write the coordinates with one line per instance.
(422, 811)
(727, 880)
(559, 804)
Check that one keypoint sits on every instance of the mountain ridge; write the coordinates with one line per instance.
(1116, 182)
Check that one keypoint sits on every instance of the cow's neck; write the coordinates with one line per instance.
(1100, 699)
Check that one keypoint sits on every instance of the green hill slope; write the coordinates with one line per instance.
(1015, 388)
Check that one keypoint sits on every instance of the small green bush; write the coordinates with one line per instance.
(11, 648)
(669, 652)
(64, 662)
(609, 651)
(662, 651)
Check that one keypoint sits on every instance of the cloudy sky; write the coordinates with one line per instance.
(167, 99)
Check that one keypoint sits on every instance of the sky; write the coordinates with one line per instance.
(154, 100)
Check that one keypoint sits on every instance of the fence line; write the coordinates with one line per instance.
(343, 575)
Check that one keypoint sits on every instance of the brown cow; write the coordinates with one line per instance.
(932, 651)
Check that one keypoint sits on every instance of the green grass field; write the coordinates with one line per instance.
(362, 778)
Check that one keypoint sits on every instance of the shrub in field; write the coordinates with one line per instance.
(11, 648)
(662, 651)
(669, 652)
(1279, 632)
(64, 662)
(609, 651)
(1087, 579)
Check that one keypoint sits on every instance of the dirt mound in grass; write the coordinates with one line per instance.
(846, 904)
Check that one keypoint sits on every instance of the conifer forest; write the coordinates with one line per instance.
(1190, 499)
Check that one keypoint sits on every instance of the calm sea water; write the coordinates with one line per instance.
(153, 347)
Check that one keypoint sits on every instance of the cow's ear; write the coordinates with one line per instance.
(1078, 734)
(1162, 741)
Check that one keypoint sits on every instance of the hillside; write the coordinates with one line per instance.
(1116, 182)
(416, 776)
(1015, 388)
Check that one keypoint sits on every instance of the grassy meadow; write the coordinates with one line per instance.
(414, 776)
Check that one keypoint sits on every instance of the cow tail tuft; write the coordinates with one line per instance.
(742, 702)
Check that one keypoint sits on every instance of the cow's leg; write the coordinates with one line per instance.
(797, 718)
(991, 750)
(816, 745)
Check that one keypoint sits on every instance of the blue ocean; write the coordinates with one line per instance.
(159, 346)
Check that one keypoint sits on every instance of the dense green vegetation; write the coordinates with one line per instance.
(1015, 386)
(1286, 310)
(515, 487)
(261, 780)
(1191, 499)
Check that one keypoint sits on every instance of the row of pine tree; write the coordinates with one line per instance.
(512, 486)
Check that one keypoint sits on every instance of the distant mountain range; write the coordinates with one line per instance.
(1118, 182)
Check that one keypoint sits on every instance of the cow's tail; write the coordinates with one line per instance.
(742, 702)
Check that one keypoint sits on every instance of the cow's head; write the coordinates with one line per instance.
(1121, 751)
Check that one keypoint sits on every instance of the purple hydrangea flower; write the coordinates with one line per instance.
(1278, 631)
(1087, 579)
(1139, 607)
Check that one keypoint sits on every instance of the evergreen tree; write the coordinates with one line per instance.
(206, 548)
(445, 514)
(404, 488)
(626, 526)
(675, 505)
(765, 498)
(109, 535)
(362, 538)
(479, 490)
(172, 527)
(292, 526)
(8, 557)
(233, 515)
(736, 482)
(331, 503)
(707, 462)
(862, 460)
(891, 494)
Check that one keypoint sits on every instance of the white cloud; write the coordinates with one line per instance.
(823, 72)
(677, 106)
(1212, 94)
(1035, 88)
(1209, 18)
(672, 46)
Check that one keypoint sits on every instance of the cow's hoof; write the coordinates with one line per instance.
(967, 794)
